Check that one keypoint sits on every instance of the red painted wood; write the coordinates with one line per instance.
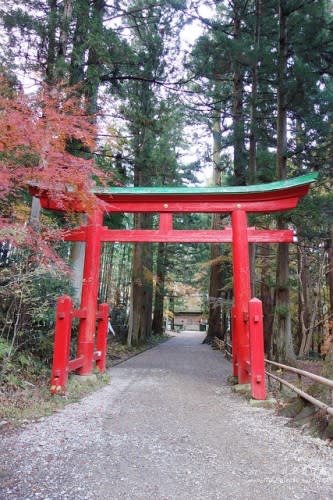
(166, 223)
(242, 293)
(201, 206)
(89, 295)
(184, 236)
(258, 385)
(102, 336)
(75, 364)
(77, 234)
(265, 201)
(234, 343)
(62, 339)
(79, 313)
(194, 236)
(179, 207)
(49, 203)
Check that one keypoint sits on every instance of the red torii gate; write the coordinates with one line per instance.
(248, 355)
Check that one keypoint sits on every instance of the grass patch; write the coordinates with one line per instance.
(23, 405)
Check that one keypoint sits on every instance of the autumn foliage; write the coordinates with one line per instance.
(46, 140)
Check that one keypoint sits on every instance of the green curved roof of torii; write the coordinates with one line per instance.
(199, 190)
(264, 198)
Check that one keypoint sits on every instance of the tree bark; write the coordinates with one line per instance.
(78, 55)
(140, 320)
(106, 271)
(267, 300)
(330, 269)
(77, 75)
(304, 306)
(35, 212)
(49, 78)
(157, 327)
(328, 364)
(281, 149)
(65, 23)
(215, 281)
(94, 66)
(51, 45)
(253, 126)
(77, 263)
(237, 106)
(284, 349)
(172, 310)
(214, 314)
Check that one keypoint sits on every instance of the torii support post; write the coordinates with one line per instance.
(102, 337)
(234, 343)
(61, 345)
(242, 293)
(258, 386)
(89, 296)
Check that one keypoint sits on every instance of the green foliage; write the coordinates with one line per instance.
(28, 296)
(313, 215)
(282, 311)
(4, 348)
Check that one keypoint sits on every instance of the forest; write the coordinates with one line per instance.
(164, 93)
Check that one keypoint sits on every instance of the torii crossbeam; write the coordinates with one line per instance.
(236, 200)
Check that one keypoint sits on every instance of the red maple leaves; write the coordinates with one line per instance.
(37, 137)
(46, 140)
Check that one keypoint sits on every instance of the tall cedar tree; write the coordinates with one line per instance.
(144, 112)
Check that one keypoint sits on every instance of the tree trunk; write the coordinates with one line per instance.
(35, 212)
(140, 320)
(106, 271)
(215, 283)
(252, 260)
(77, 75)
(124, 273)
(214, 314)
(77, 264)
(78, 56)
(94, 66)
(328, 348)
(51, 45)
(172, 311)
(330, 270)
(157, 326)
(253, 126)
(267, 299)
(237, 106)
(304, 306)
(49, 78)
(66, 18)
(76, 258)
(284, 349)
(281, 147)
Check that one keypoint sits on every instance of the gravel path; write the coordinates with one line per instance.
(167, 427)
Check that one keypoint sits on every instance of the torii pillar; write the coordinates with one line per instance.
(89, 297)
(242, 295)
